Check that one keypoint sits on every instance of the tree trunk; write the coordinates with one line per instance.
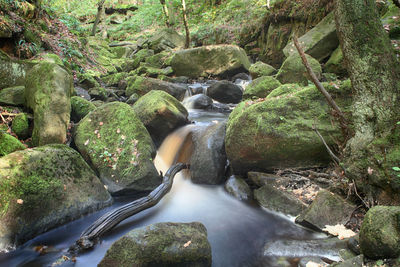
(98, 16)
(166, 13)
(374, 150)
(187, 43)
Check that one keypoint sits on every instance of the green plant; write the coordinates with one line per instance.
(397, 169)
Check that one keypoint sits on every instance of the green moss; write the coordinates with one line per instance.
(14, 96)
(158, 60)
(293, 70)
(114, 79)
(115, 141)
(20, 126)
(9, 144)
(284, 89)
(259, 69)
(261, 87)
(135, 86)
(80, 107)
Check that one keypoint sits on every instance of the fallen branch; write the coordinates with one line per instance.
(333, 156)
(109, 220)
(321, 88)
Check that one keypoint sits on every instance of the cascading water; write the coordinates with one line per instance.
(237, 231)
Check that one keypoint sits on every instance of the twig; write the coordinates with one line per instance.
(363, 201)
(321, 88)
(2, 118)
(333, 156)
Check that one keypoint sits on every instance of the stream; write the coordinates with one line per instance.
(237, 231)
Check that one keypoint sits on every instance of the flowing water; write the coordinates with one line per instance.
(237, 231)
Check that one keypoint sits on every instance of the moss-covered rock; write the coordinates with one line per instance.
(336, 64)
(9, 144)
(12, 72)
(52, 58)
(284, 89)
(277, 132)
(14, 96)
(159, 60)
(261, 87)
(161, 113)
(293, 70)
(380, 232)
(260, 68)
(140, 56)
(319, 42)
(215, 60)
(326, 209)
(166, 39)
(20, 126)
(87, 80)
(161, 244)
(150, 71)
(208, 161)
(142, 85)
(115, 142)
(114, 79)
(48, 90)
(80, 107)
(98, 93)
(42, 188)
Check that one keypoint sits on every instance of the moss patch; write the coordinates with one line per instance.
(20, 126)
(261, 87)
(9, 144)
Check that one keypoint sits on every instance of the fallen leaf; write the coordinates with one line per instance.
(20, 201)
(187, 244)
(101, 123)
(118, 131)
(87, 142)
(339, 230)
(370, 170)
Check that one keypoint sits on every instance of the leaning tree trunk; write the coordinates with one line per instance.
(98, 16)
(185, 22)
(166, 13)
(374, 150)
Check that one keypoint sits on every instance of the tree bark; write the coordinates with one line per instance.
(374, 71)
(98, 16)
(109, 220)
(185, 22)
(166, 13)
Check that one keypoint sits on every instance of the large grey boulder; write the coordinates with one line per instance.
(42, 188)
(208, 161)
(238, 188)
(225, 92)
(214, 60)
(161, 244)
(380, 232)
(326, 209)
(114, 140)
(12, 72)
(160, 113)
(199, 101)
(142, 85)
(166, 39)
(277, 132)
(260, 68)
(319, 42)
(48, 90)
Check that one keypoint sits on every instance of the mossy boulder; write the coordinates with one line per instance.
(140, 56)
(114, 79)
(159, 60)
(150, 71)
(87, 81)
(277, 132)
(261, 87)
(225, 92)
(284, 89)
(216, 60)
(326, 209)
(20, 126)
(208, 161)
(114, 140)
(9, 144)
(42, 188)
(319, 42)
(293, 70)
(142, 85)
(161, 113)
(260, 68)
(12, 72)
(335, 63)
(48, 90)
(80, 107)
(166, 39)
(14, 96)
(98, 93)
(161, 244)
(380, 232)
(238, 188)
